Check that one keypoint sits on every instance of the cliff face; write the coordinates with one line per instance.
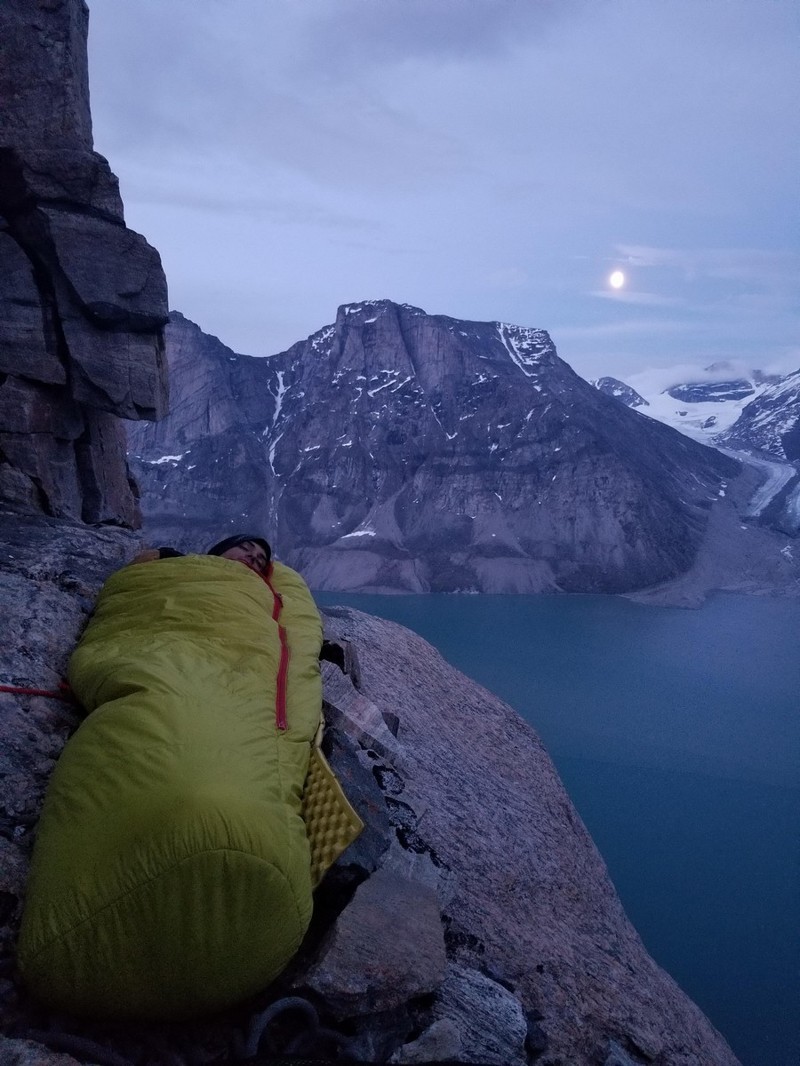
(82, 298)
(205, 473)
(401, 450)
(473, 920)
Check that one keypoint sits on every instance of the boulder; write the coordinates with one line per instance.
(489, 1020)
(386, 948)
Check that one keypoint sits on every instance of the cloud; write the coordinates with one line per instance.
(375, 32)
(509, 278)
(280, 211)
(657, 379)
(731, 264)
(785, 362)
(631, 328)
(644, 299)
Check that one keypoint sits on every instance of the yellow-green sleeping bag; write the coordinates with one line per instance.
(170, 874)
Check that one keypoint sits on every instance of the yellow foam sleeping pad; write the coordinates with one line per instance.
(331, 823)
(192, 813)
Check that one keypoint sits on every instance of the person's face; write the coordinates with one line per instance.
(249, 553)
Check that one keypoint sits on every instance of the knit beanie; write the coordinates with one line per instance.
(240, 538)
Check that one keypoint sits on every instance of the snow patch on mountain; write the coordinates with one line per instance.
(703, 420)
(721, 403)
(525, 346)
(771, 421)
(165, 459)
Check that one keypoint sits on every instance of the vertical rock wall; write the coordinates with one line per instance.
(83, 299)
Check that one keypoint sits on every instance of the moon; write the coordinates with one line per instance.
(616, 280)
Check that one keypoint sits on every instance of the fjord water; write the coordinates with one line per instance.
(677, 735)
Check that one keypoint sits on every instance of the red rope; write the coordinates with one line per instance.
(63, 692)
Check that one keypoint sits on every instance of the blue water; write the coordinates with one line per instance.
(677, 734)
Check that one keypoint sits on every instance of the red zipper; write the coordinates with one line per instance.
(283, 664)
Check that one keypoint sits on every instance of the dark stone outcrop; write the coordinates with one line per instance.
(361, 970)
(44, 78)
(396, 450)
(83, 299)
(483, 927)
(620, 391)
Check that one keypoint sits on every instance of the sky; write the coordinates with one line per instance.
(484, 159)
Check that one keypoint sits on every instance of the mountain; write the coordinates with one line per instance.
(771, 421)
(699, 409)
(396, 450)
(759, 410)
(620, 391)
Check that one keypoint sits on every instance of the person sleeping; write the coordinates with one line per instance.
(172, 872)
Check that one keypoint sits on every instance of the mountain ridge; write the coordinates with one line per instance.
(396, 450)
